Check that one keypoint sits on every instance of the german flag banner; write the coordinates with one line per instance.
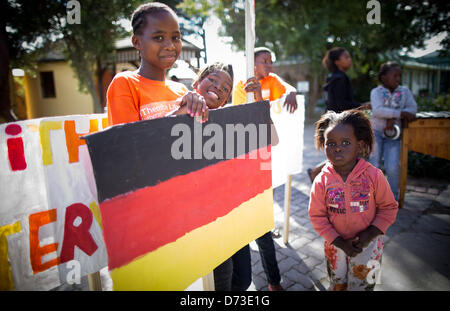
(178, 197)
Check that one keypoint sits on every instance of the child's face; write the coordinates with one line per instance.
(392, 78)
(160, 41)
(215, 88)
(342, 147)
(344, 62)
(263, 65)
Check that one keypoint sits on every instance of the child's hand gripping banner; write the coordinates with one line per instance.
(178, 197)
(50, 229)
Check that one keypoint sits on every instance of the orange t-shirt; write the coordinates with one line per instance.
(271, 88)
(131, 98)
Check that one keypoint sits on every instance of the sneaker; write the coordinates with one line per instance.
(276, 288)
(276, 234)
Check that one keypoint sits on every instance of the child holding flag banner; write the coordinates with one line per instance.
(215, 83)
(267, 86)
(146, 94)
(149, 262)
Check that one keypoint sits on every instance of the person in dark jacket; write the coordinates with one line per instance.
(339, 89)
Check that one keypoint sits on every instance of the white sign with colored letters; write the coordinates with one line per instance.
(50, 226)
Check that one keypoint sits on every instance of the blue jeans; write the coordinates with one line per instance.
(235, 273)
(389, 150)
(268, 258)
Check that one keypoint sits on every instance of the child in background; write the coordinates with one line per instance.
(266, 84)
(145, 93)
(391, 104)
(338, 89)
(351, 202)
(214, 83)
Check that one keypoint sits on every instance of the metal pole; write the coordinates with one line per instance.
(287, 207)
(208, 282)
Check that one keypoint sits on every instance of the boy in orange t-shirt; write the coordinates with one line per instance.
(266, 85)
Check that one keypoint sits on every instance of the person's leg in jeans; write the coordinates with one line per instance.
(269, 261)
(223, 275)
(242, 269)
(377, 153)
(391, 163)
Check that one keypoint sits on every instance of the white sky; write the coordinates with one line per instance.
(431, 45)
(219, 49)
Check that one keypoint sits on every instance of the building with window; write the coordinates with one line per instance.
(427, 75)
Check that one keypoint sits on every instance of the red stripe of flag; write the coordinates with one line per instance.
(138, 222)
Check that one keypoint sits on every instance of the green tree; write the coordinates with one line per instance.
(193, 15)
(304, 30)
(88, 45)
(30, 28)
(20, 28)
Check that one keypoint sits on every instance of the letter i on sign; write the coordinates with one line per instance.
(16, 154)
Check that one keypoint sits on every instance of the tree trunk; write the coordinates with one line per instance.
(5, 99)
(94, 94)
(85, 75)
(84, 69)
(314, 95)
(100, 70)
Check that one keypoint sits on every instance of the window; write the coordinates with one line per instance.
(47, 84)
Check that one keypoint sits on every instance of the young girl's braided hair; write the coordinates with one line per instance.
(356, 118)
(331, 56)
(386, 67)
(138, 18)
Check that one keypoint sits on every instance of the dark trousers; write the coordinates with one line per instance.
(268, 258)
(235, 273)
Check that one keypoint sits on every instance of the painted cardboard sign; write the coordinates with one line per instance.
(177, 197)
(49, 217)
(287, 155)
